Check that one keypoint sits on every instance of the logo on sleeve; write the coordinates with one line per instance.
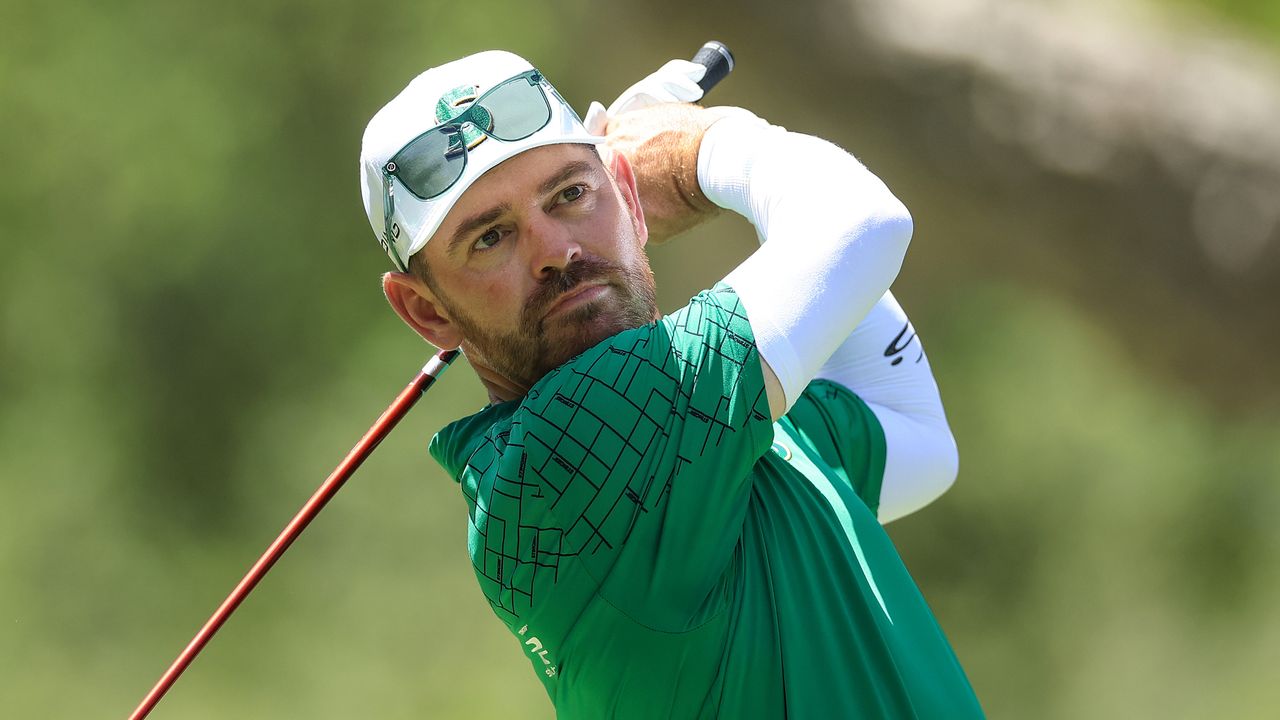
(899, 344)
(781, 449)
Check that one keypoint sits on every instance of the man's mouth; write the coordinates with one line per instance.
(582, 294)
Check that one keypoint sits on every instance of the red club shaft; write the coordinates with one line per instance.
(380, 429)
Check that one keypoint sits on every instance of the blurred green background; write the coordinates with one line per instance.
(192, 335)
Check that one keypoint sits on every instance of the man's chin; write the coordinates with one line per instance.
(576, 331)
(581, 329)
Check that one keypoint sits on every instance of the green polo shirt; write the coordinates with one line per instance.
(658, 548)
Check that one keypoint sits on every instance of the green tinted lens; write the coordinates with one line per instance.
(516, 108)
(430, 164)
(433, 162)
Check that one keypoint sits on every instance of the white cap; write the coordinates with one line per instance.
(417, 109)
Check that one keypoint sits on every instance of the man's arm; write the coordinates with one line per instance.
(846, 233)
(883, 362)
(839, 235)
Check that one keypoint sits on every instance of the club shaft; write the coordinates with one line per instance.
(380, 429)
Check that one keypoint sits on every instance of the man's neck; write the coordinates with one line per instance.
(500, 388)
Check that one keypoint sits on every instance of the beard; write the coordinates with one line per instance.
(541, 344)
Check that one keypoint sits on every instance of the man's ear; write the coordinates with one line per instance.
(626, 181)
(418, 307)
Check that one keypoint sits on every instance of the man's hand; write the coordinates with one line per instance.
(662, 142)
(676, 81)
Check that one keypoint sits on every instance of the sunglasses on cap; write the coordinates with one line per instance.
(431, 163)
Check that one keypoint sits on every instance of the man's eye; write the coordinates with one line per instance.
(488, 240)
(571, 193)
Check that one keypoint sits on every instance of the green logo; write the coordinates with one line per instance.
(454, 103)
(782, 450)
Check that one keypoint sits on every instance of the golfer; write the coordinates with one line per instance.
(674, 515)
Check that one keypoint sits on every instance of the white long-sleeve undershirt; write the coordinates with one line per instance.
(816, 292)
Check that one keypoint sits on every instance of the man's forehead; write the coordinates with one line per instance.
(525, 169)
(516, 177)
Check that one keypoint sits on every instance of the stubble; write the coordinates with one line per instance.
(540, 344)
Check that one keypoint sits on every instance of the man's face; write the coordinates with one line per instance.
(540, 259)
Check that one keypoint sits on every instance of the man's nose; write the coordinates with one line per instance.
(554, 248)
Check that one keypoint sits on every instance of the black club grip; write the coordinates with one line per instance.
(718, 61)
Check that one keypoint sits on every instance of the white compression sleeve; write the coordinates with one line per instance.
(883, 362)
(839, 237)
(817, 294)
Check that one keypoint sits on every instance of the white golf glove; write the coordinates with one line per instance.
(677, 81)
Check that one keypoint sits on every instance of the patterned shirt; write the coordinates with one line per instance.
(659, 548)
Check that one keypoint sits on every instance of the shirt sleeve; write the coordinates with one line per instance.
(626, 471)
(846, 434)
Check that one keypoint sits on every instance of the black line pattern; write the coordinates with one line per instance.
(593, 448)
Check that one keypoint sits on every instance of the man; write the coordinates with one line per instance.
(676, 515)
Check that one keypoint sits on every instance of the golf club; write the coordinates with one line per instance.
(380, 429)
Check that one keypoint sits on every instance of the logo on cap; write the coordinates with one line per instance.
(454, 103)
